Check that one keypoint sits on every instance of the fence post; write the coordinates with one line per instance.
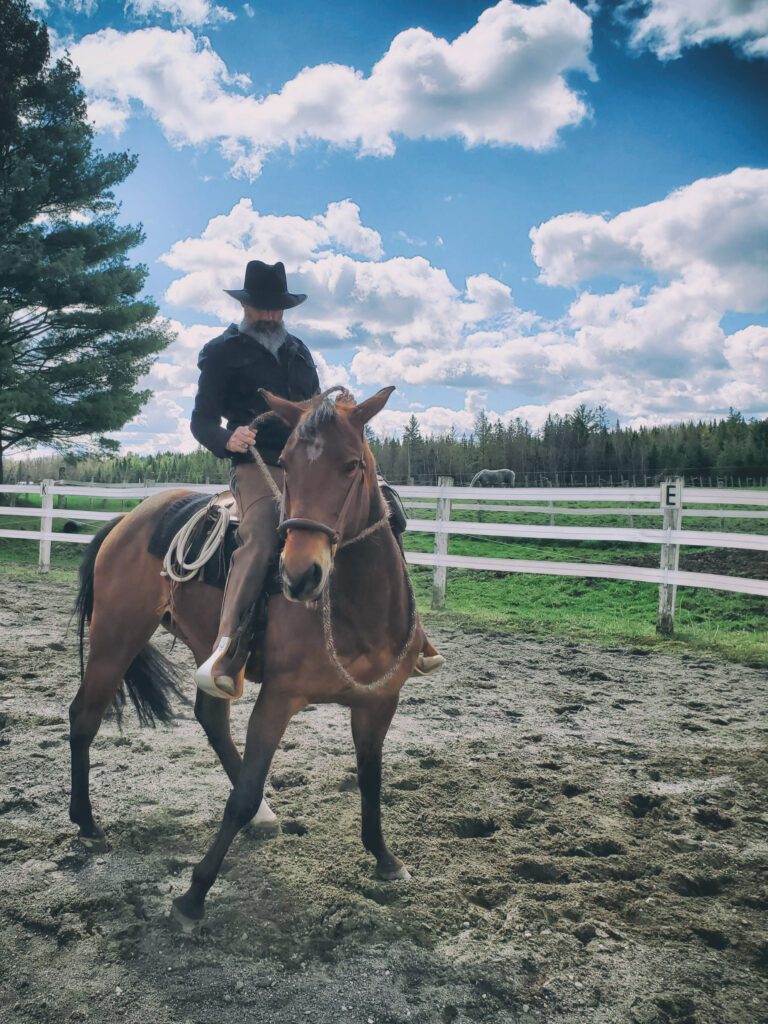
(672, 508)
(443, 514)
(46, 523)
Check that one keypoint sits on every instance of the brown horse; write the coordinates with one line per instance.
(344, 630)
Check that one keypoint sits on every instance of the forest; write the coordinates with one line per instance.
(578, 449)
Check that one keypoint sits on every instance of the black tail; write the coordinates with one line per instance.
(84, 600)
(151, 679)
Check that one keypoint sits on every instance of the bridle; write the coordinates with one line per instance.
(332, 532)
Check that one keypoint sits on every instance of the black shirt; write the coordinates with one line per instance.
(233, 367)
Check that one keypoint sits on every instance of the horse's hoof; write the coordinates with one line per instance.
(186, 925)
(401, 874)
(262, 829)
(264, 823)
(94, 843)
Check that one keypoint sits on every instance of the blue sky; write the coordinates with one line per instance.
(512, 206)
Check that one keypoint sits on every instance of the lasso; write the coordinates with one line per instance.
(175, 565)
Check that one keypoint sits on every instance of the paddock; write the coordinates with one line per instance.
(583, 827)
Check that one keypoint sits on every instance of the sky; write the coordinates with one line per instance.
(516, 207)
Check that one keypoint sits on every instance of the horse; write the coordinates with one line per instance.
(344, 629)
(493, 478)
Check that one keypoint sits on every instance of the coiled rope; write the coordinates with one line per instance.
(175, 564)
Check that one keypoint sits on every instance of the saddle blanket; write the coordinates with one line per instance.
(177, 515)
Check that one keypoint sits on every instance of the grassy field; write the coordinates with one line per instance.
(607, 612)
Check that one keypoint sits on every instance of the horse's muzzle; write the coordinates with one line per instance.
(306, 587)
(305, 564)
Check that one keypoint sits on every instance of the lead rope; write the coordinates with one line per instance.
(349, 679)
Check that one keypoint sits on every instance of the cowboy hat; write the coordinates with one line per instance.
(265, 287)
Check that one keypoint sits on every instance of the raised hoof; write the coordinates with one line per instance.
(184, 923)
(401, 874)
(426, 664)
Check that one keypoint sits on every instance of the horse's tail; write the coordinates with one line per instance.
(476, 477)
(84, 599)
(151, 679)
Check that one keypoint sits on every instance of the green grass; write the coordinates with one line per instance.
(607, 612)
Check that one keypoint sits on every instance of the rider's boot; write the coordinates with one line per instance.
(429, 660)
(223, 673)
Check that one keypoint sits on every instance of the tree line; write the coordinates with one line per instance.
(577, 449)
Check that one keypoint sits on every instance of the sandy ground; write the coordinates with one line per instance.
(585, 829)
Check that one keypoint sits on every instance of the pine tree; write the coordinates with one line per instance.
(74, 337)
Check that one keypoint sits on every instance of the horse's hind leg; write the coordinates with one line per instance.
(370, 723)
(115, 640)
(269, 718)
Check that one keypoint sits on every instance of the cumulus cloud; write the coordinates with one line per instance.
(650, 346)
(667, 27)
(653, 346)
(183, 12)
(194, 13)
(715, 228)
(503, 83)
(338, 262)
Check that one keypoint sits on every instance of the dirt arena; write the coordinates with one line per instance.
(585, 828)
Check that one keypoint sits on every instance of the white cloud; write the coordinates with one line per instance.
(337, 261)
(194, 13)
(656, 347)
(715, 228)
(500, 83)
(651, 350)
(670, 26)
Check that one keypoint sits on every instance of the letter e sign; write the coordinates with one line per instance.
(671, 494)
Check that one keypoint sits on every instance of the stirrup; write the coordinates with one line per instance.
(426, 664)
(225, 687)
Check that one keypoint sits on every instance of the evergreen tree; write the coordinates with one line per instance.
(74, 337)
(414, 447)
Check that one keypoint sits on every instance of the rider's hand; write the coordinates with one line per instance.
(240, 439)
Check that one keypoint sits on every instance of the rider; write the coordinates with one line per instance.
(259, 353)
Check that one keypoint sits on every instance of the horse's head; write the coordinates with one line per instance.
(330, 477)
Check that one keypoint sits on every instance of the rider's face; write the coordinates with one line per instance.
(262, 316)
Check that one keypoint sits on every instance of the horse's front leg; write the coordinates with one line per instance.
(213, 715)
(269, 718)
(370, 722)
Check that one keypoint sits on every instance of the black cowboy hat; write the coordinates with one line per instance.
(265, 287)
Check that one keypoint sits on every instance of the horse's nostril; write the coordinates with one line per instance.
(306, 584)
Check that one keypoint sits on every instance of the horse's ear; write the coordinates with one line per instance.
(366, 410)
(289, 412)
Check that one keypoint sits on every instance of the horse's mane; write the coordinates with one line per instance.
(324, 410)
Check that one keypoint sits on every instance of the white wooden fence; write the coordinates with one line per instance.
(669, 502)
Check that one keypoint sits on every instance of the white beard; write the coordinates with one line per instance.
(271, 334)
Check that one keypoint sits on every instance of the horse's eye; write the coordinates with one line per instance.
(350, 467)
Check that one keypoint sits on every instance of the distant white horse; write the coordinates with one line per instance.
(494, 478)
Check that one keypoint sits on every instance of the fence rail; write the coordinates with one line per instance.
(670, 502)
